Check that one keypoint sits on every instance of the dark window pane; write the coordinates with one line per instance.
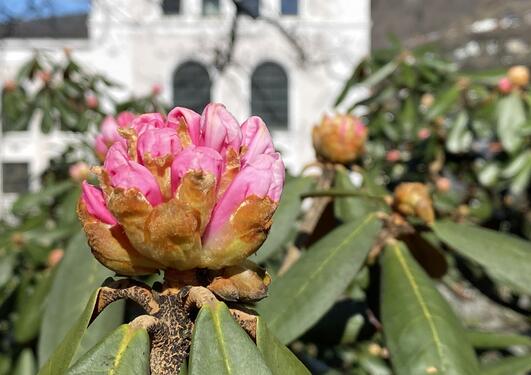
(210, 7)
(171, 6)
(269, 95)
(191, 86)
(15, 177)
(290, 7)
(249, 7)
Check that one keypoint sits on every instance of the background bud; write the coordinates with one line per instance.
(518, 75)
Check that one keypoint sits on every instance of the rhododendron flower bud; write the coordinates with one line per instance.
(10, 85)
(190, 191)
(91, 101)
(54, 257)
(443, 184)
(339, 139)
(79, 171)
(392, 155)
(504, 85)
(109, 132)
(518, 75)
(423, 133)
(413, 199)
(156, 89)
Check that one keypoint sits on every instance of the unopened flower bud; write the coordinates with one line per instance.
(10, 85)
(79, 171)
(413, 199)
(443, 184)
(504, 85)
(392, 156)
(54, 257)
(423, 133)
(339, 139)
(156, 89)
(91, 101)
(190, 191)
(427, 100)
(518, 75)
(44, 75)
(109, 133)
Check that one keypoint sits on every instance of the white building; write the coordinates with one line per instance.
(287, 65)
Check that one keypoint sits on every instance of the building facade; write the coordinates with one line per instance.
(285, 60)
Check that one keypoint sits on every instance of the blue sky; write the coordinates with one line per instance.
(31, 9)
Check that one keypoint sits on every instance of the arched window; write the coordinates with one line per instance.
(191, 86)
(269, 95)
(171, 6)
(290, 7)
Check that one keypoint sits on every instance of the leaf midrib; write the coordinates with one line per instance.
(325, 262)
(423, 305)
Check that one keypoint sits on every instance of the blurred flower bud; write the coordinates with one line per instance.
(109, 132)
(17, 239)
(423, 133)
(339, 139)
(91, 101)
(426, 100)
(495, 147)
(10, 85)
(392, 156)
(505, 86)
(518, 75)
(413, 199)
(192, 191)
(54, 257)
(79, 171)
(156, 89)
(443, 184)
(44, 75)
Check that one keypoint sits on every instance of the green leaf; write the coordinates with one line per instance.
(277, 356)
(77, 276)
(496, 340)
(506, 366)
(443, 102)
(459, 138)
(124, 352)
(310, 287)
(7, 263)
(503, 255)
(351, 208)
(421, 330)
(220, 346)
(284, 218)
(511, 119)
(27, 202)
(61, 358)
(408, 118)
(31, 305)
(25, 363)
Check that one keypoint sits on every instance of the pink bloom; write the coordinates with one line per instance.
(95, 203)
(190, 191)
(504, 85)
(109, 132)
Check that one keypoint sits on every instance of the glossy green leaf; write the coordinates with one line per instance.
(77, 276)
(7, 262)
(284, 218)
(421, 330)
(61, 358)
(277, 356)
(27, 202)
(503, 255)
(124, 352)
(511, 118)
(25, 364)
(221, 346)
(408, 117)
(459, 137)
(30, 308)
(311, 286)
(443, 102)
(508, 366)
(496, 340)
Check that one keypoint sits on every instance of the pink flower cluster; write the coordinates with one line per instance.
(188, 191)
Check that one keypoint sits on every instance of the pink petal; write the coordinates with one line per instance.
(256, 138)
(158, 142)
(124, 119)
(219, 128)
(125, 173)
(198, 159)
(95, 203)
(148, 121)
(192, 120)
(109, 130)
(263, 176)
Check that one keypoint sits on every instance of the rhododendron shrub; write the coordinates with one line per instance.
(183, 192)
